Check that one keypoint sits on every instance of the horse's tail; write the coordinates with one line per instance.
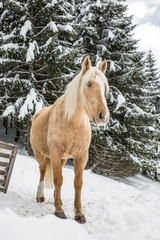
(49, 174)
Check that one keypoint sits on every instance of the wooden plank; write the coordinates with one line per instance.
(2, 181)
(4, 164)
(10, 169)
(7, 146)
(3, 172)
(5, 155)
(8, 152)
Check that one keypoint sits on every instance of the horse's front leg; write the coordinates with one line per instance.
(79, 166)
(58, 180)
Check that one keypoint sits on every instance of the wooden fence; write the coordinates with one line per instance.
(8, 154)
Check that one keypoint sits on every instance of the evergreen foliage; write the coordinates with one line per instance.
(42, 44)
(152, 84)
(37, 55)
(108, 34)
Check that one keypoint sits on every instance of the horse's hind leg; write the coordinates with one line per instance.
(42, 168)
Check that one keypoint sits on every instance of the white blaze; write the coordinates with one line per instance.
(101, 83)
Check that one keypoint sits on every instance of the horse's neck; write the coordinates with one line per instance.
(80, 118)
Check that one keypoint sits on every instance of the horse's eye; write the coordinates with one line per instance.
(89, 84)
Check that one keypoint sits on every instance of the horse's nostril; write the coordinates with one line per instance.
(100, 115)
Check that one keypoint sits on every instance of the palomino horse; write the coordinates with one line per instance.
(63, 131)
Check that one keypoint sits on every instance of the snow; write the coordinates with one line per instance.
(9, 110)
(112, 65)
(158, 165)
(102, 48)
(139, 110)
(10, 35)
(98, 3)
(60, 48)
(68, 28)
(49, 227)
(52, 26)
(30, 52)
(126, 209)
(159, 149)
(27, 27)
(10, 46)
(110, 35)
(53, 2)
(4, 13)
(30, 103)
(120, 100)
(151, 128)
(8, 60)
(47, 43)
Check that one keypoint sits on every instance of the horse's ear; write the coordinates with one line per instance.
(103, 66)
(86, 64)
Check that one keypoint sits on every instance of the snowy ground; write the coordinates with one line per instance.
(115, 210)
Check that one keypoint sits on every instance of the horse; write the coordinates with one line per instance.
(63, 131)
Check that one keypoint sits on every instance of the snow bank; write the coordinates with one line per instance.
(115, 210)
(49, 227)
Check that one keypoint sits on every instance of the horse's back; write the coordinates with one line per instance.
(41, 115)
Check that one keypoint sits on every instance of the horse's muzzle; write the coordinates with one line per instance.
(102, 121)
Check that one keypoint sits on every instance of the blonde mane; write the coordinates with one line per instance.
(71, 96)
(73, 88)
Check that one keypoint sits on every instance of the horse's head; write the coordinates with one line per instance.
(93, 91)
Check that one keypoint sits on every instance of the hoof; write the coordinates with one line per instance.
(80, 219)
(40, 199)
(60, 215)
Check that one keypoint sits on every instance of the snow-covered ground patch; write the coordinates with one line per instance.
(115, 210)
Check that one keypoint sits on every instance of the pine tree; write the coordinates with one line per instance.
(152, 84)
(151, 106)
(37, 55)
(143, 123)
(105, 31)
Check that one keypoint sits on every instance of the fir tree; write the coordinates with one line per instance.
(152, 109)
(143, 123)
(37, 54)
(105, 31)
(152, 83)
